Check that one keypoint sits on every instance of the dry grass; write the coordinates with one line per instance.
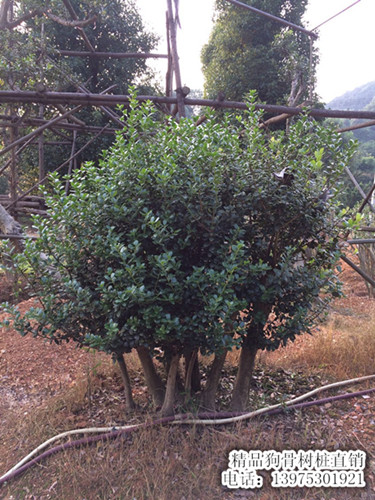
(343, 348)
(185, 462)
(172, 463)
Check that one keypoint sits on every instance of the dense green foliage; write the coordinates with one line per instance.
(248, 51)
(189, 237)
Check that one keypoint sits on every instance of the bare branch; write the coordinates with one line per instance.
(73, 24)
(20, 20)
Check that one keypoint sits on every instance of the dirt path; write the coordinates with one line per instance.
(32, 370)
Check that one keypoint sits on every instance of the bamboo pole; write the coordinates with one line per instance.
(114, 55)
(169, 74)
(23, 97)
(58, 168)
(72, 161)
(367, 198)
(82, 88)
(38, 130)
(365, 276)
(356, 127)
(359, 189)
(67, 126)
(41, 146)
(361, 241)
(175, 59)
(355, 183)
(13, 184)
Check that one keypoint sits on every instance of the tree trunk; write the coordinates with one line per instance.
(153, 381)
(168, 405)
(240, 394)
(192, 374)
(209, 393)
(130, 405)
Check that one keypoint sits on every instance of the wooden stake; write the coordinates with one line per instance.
(72, 162)
(175, 59)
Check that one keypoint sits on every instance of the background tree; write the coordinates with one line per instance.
(248, 51)
(188, 240)
(31, 37)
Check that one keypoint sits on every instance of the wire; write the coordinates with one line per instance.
(333, 17)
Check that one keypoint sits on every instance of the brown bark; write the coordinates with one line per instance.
(153, 381)
(192, 375)
(82, 33)
(240, 394)
(72, 24)
(130, 405)
(169, 399)
(209, 393)
(175, 59)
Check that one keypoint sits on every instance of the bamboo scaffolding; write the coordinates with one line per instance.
(24, 97)
(64, 125)
(82, 88)
(11, 205)
(38, 130)
(27, 143)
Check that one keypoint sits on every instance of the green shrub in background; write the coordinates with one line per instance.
(190, 240)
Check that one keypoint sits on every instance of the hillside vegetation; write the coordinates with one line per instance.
(363, 163)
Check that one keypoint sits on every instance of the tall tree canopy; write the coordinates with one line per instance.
(248, 51)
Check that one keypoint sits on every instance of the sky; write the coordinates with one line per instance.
(345, 43)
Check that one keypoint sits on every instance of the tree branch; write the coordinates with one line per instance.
(73, 24)
(4, 24)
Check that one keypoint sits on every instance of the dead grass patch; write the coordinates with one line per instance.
(342, 348)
